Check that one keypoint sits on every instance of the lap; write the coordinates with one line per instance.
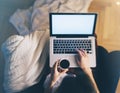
(107, 71)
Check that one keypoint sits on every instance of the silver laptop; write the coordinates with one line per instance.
(71, 31)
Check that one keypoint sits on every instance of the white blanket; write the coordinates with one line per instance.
(22, 62)
(37, 16)
(22, 51)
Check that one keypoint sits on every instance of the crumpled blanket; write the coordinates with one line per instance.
(22, 52)
(37, 16)
(24, 60)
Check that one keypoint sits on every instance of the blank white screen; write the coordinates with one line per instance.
(73, 24)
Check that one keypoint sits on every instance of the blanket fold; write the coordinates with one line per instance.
(22, 56)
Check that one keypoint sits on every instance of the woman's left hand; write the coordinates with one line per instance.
(55, 74)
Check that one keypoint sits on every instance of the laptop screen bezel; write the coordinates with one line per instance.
(72, 35)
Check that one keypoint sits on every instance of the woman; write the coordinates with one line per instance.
(75, 83)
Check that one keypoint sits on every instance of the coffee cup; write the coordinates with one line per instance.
(64, 64)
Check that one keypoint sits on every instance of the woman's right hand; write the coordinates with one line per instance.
(83, 59)
(84, 63)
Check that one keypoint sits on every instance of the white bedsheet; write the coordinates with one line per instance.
(37, 16)
(22, 60)
(22, 52)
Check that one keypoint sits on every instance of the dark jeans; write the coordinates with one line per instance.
(107, 71)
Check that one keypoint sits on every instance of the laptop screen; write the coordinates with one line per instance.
(72, 23)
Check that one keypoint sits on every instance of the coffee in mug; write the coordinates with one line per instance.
(64, 64)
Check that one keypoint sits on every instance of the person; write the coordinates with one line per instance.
(75, 79)
(104, 78)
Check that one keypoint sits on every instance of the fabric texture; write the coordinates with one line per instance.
(23, 53)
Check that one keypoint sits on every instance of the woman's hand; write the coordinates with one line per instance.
(55, 74)
(84, 63)
(83, 59)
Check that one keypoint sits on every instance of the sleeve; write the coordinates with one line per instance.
(47, 80)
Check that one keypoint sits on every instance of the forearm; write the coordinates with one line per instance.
(50, 87)
(88, 71)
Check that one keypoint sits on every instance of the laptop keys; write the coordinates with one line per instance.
(70, 46)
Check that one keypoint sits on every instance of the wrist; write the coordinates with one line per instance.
(52, 82)
(87, 70)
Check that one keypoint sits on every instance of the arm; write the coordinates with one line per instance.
(83, 62)
(55, 74)
(90, 75)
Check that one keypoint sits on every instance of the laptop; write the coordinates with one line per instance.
(71, 31)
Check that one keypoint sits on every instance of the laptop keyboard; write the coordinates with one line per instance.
(70, 46)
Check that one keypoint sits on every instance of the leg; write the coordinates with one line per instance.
(99, 72)
(107, 72)
(113, 71)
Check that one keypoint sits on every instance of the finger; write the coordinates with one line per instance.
(56, 64)
(64, 71)
(83, 52)
(86, 53)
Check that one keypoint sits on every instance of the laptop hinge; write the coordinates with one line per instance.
(71, 36)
